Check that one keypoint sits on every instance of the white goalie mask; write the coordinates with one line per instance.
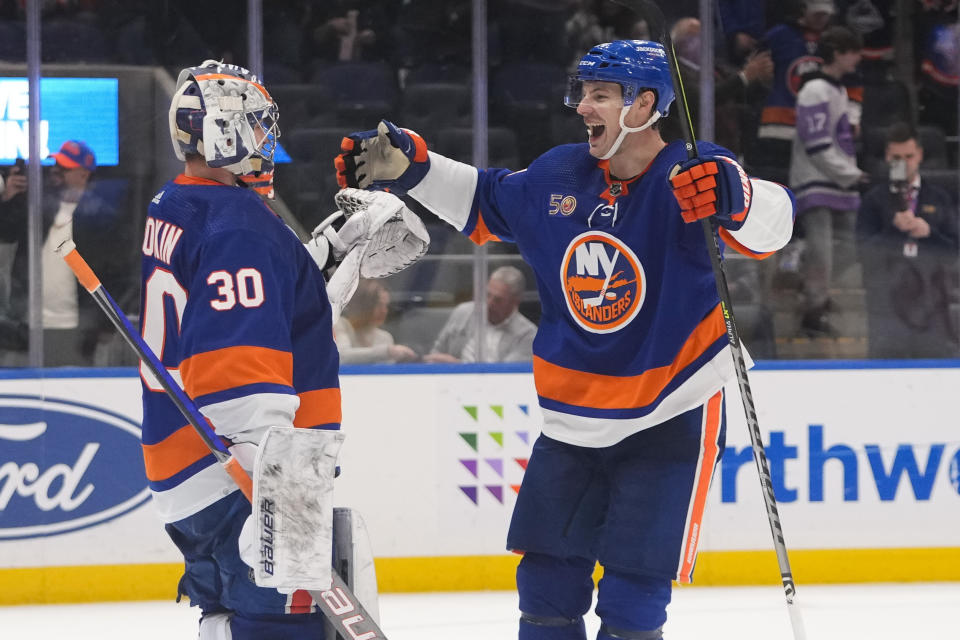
(221, 112)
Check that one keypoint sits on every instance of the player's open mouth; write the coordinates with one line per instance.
(594, 131)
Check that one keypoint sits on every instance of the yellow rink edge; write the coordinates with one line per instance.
(103, 583)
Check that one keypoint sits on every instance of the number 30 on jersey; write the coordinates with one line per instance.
(245, 287)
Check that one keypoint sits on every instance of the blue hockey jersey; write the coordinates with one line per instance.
(792, 50)
(631, 331)
(237, 310)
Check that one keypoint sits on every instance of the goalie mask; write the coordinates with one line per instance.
(221, 112)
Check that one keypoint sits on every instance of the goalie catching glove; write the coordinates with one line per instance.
(385, 158)
(387, 234)
(380, 237)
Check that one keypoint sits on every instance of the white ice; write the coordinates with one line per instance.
(927, 611)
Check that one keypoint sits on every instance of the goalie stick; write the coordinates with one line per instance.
(339, 604)
(653, 16)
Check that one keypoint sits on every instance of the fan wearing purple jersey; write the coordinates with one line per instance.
(631, 354)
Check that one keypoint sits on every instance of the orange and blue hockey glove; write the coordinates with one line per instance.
(712, 186)
(386, 159)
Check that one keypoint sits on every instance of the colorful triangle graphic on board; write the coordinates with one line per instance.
(515, 487)
(496, 464)
(470, 439)
(522, 462)
(470, 492)
(497, 436)
(525, 436)
(471, 466)
(472, 411)
(497, 409)
(525, 408)
(496, 491)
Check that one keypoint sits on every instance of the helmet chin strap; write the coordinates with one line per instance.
(624, 130)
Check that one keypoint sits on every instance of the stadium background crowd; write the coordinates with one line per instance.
(336, 66)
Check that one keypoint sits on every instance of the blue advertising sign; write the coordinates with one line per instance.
(70, 109)
(65, 465)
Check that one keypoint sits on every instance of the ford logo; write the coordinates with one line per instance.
(65, 466)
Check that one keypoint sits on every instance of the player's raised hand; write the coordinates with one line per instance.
(386, 158)
(712, 186)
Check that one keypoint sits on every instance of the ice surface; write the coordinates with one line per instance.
(838, 612)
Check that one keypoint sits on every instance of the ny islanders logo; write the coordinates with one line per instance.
(799, 68)
(603, 282)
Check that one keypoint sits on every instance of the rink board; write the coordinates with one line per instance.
(865, 459)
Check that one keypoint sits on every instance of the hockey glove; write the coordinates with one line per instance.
(391, 235)
(396, 236)
(712, 186)
(386, 158)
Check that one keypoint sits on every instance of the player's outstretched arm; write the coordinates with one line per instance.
(389, 158)
(385, 158)
(757, 214)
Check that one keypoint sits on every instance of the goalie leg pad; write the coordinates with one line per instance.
(216, 626)
(353, 560)
(293, 507)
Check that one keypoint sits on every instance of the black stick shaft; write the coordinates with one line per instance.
(650, 12)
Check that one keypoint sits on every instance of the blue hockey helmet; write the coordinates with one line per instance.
(633, 64)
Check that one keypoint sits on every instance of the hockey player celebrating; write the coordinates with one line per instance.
(631, 354)
(238, 308)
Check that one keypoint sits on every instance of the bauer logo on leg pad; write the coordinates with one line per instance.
(267, 524)
(293, 507)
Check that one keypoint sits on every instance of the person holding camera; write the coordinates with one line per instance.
(908, 240)
(71, 209)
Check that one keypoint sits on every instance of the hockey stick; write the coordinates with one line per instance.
(338, 604)
(651, 13)
(595, 302)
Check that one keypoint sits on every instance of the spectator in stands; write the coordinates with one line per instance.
(745, 21)
(359, 337)
(73, 208)
(824, 174)
(907, 243)
(508, 336)
(583, 30)
(592, 21)
(874, 21)
(738, 90)
(349, 30)
(792, 46)
(937, 50)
